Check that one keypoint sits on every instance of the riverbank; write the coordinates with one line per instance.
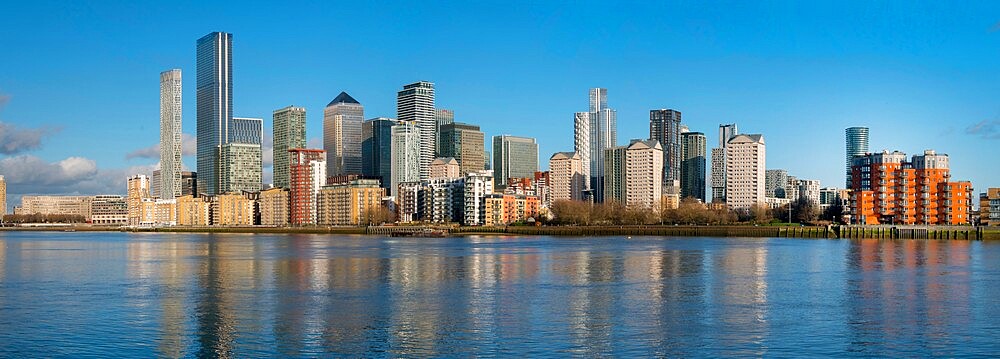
(882, 232)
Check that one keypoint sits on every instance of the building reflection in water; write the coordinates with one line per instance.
(904, 289)
(739, 298)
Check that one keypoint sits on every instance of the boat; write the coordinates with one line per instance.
(426, 232)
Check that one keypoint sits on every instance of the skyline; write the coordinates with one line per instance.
(46, 147)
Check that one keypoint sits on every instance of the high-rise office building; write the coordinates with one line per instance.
(240, 158)
(289, 132)
(726, 132)
(775, 182)
(465, 143)
(405, 156)
(214, 97)
(513, 157)
(603, 134)
(342, 135)
(665, 127)
(745, 166)
(307, 173)
(415, 104)
(856, 139)
(170, 135)
(692, 169)
(442, 117)
(566, 176)
(376, 149)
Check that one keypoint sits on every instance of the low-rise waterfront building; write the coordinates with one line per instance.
(989, 207)
(888, 189)
(274, 207)
(193, 211)
(349, 204)
(234, 209)
(108, 210)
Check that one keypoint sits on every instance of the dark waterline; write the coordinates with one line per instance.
(210, 295)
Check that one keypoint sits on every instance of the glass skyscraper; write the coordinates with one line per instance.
(289, 132)
(594, 132)
(513, 157)
(465, 143)
(214, 111)
(857, 145)
(240, 158)
(376, 149)
(665, 127)
(342, 120)
(692, 168)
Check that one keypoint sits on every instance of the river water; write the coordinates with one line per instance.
(78, 294)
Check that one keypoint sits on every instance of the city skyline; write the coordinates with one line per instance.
(60, 162)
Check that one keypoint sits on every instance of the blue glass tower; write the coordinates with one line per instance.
(214, 95)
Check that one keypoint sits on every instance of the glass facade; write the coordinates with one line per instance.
(376, 149)
(856, 140)
(289, 132)
(513, 157)
(214, 95)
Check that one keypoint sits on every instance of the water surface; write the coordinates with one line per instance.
(208, 295)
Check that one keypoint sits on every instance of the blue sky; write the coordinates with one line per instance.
(79, 80)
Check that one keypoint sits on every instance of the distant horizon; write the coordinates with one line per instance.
(919, 76)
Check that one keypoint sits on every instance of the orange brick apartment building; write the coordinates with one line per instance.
(888, 189)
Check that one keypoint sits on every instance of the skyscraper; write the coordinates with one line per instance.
(581, 144)
(240, 158)
(342, 120)
(442, 117)
(465, 143)
(665, 127)
(592, 134)
(745, 166)
(376, 149)
(214, 97)
(726, 132)
(170, 134)
(513, 157)
(692, 168)
(3, 196)
(406, 151)
(415, 104)
(857, 145)
(289, 132)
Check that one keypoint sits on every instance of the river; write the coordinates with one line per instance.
(79, 294)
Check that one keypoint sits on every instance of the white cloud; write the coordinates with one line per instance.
(26, 174)
(189, 147)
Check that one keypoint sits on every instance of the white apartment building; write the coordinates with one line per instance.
(745, 171)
